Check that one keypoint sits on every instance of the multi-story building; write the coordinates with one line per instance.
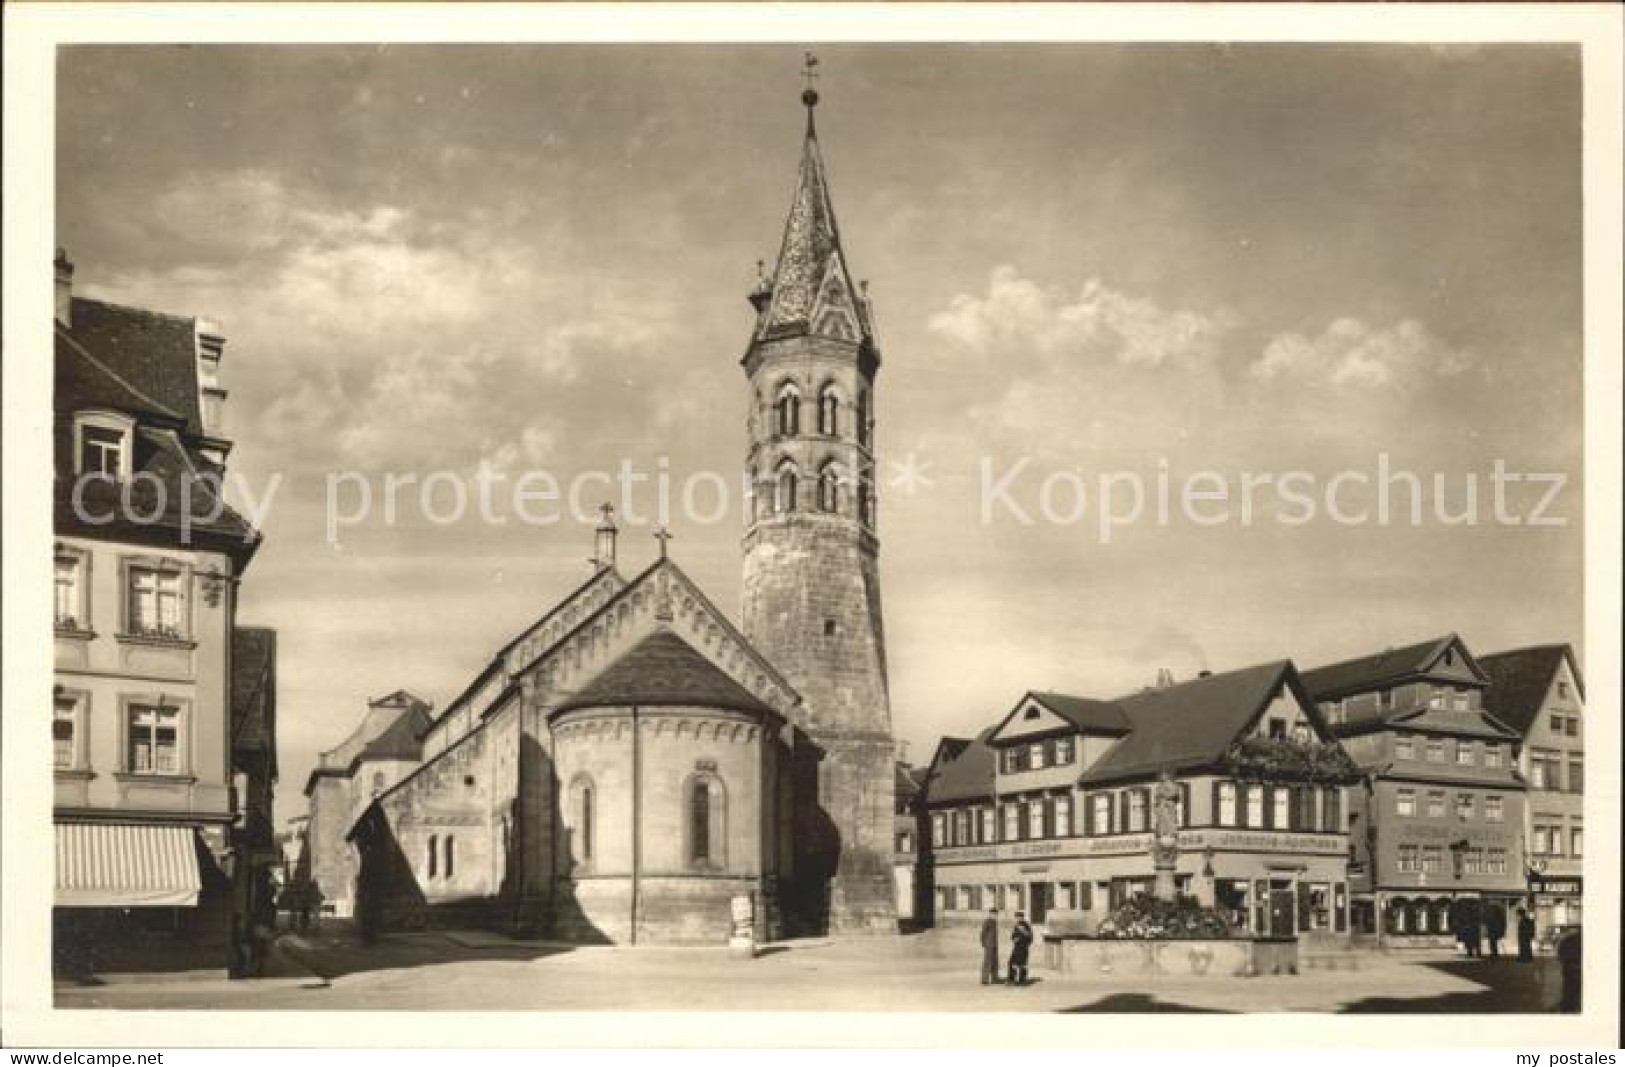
(147, 562)
(256, 851)
(1540, 693)
(1053, 809)
(384, 748)
(1437, 822)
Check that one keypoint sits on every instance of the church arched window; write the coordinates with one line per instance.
(784, 489)
(864, 428)
(583, 816)
(829, 412)
(434, 855)
(705, 822)
(787, 411)
(451, 855)
(829, 481)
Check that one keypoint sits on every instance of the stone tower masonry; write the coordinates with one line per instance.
(811, 569)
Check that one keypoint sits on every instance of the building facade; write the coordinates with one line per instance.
(1051, 810)
(1437, 822)
(148, 560)
(631, 764)
(1539, 693)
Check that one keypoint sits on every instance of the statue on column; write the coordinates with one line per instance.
(1165, 840)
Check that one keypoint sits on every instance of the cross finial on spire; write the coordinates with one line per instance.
(662, 535)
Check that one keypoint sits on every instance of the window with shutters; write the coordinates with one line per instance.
(1255, 806)
(1036, 827)
(1035, 757)
(1063, 816)
(939, 830)
(990, 829)
(1136, 811)
(1100, 807)
(1282, 808)
(1012, 822)
(1227, 803)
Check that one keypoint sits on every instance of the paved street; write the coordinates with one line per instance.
(925, 972)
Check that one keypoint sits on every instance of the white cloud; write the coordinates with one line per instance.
(1351, 353)
(1099, 323)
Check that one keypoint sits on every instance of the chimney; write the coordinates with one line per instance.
(1165, 677)
(604, 557)
(64, 288)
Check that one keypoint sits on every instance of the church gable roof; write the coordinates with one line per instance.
(664, 670)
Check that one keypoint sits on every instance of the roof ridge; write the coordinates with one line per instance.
(148, 312)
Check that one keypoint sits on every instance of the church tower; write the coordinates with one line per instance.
(811, 567)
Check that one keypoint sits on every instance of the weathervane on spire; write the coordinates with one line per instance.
(809, 95)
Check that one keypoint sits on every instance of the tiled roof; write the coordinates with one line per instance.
(810, 252)
(1520, 679)
(1460, 723)
(664, 670)
(401, 740)
(158, 498)
(253, 690)
(84, 381)
(1368, 672)
(1190, 724)
(908, 780)
(1087, 714)
(155, 353)
(963, 770)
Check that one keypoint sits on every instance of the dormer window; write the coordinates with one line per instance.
(102, 444)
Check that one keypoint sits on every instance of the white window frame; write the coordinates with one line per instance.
(1139, 817)
(1494, 809)
(1404, 747)
(1227, 804)
(1281, 807)
(990, 825)
(1255, 807)
(1063, 815)
(1432, 747)
(1101, 805)
(1035, 818)
(78, 703)
(120, 424)
(1012, 822)
(157, 704)
(134, 567)
(1405, 803)
(1437, 808)
(1466, 753)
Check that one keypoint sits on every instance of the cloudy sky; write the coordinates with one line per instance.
(1084, 260)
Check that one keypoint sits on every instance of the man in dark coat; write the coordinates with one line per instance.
(1021, 939)
(990, 947)
(1495, 928)
(1526, 936)
(1569, 958)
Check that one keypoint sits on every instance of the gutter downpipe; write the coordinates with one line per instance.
(637, 821)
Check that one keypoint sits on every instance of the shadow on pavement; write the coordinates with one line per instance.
(1502, 986)
(337, 953)
(1137, 1004)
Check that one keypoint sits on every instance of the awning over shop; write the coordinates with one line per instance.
(109, 865)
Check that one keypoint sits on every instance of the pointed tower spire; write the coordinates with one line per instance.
(811, 291)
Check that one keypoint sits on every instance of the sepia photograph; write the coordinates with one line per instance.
(814, 523)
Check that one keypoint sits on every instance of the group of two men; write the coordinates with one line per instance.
(1021, 939)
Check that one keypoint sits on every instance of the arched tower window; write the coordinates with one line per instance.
(829, 412)
(705, 806)
(784, 489)
(829, 481)
(434, 855)
(451, 855)
(865, 430)
(787, 412)
(584, 816)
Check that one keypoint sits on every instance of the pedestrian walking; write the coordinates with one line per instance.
(1495, 928)
(1021, 939)
(1526, 936)
(990, 947)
